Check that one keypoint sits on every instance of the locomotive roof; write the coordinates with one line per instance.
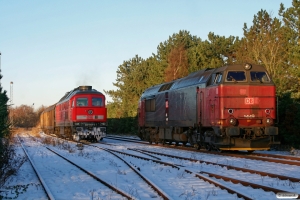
(200, 77)
(191, 79)
(79, 90)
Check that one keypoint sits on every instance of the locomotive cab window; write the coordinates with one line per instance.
(96, 101)
(259, 76)
(218, 78)
(236, 76)
(82, 101)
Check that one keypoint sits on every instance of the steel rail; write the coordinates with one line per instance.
(149, 182)
(136, 170)
(124, 194)
(44, 185)
(245, 183)
(281, 177)
(236, 181)
(127, 139)
(276, 156)
(230, 190)
(264, 157)
(137, 150)
(214, 182)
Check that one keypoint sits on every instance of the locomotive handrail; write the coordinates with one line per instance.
(242, 96)
(240, 108)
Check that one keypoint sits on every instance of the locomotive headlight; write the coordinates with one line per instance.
(230, 111)
(232, 121)
(267, 111)
(248, 66)
(269, 121)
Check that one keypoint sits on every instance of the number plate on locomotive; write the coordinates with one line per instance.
(249, 100)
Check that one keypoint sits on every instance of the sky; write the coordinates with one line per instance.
(51, 47)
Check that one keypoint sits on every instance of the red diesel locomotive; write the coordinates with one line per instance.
(80, 114)
(227, 108)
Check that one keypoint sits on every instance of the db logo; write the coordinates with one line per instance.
(249, 100)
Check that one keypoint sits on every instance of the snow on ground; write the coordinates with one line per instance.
(67, 182)
(282, 169)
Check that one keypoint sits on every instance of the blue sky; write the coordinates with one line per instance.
(51, 47)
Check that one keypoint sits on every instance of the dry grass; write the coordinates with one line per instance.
(49, 141)
(34, 132)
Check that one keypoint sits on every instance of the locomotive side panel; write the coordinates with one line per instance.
(182, 107)
(155, 111)
(211, 114)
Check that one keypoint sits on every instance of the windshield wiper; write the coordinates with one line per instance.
(233, 79)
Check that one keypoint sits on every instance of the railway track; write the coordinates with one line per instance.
(41, 179)
(156, 160)
(201, 175)
(150, 183)
(45, 183)
(228, 183)
(281, 177)
(290, 160)
(160, 192)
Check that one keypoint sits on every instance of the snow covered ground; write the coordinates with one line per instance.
(67, 182)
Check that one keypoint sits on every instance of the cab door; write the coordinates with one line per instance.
(141, 112)
(71, 110)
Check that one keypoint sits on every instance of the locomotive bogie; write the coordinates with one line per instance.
(232, 108)
(91, 133)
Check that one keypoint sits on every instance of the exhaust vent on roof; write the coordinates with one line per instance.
(85, 87)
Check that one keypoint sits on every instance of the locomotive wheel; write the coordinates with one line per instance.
(219, 150)
(250, 151)
(208, 147)
(76, 137)
(197, 146)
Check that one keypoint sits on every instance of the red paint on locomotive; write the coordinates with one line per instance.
(80, 114)
(228, 108)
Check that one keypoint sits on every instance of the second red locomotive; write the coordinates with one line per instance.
(227, 108)
(80, 114)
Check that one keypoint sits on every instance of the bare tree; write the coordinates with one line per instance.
(24, 116)
(177, 63)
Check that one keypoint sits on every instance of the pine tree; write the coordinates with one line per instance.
(291, 21)
(264, 43)
(4, 121)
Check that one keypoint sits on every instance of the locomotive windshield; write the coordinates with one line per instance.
(235, 76)
(259, 76)
(82, 102)
(96, 101)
